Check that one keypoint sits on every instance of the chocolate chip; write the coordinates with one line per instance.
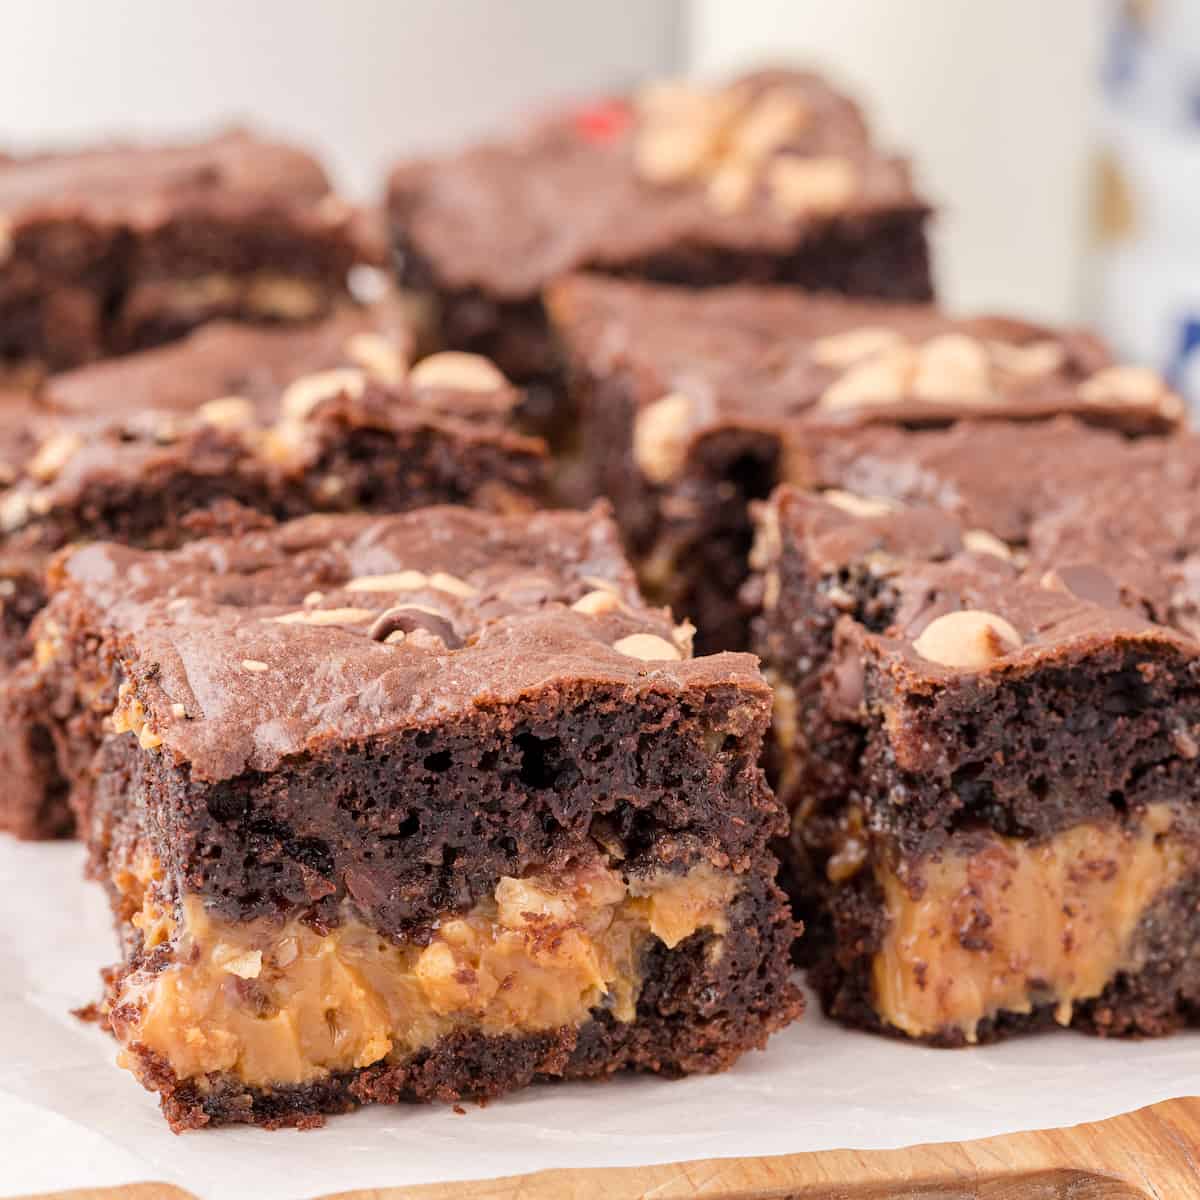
(407, 619)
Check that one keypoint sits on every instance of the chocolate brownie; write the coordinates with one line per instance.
(412, 808)
(986, 728)
(773, 177)
(119, 248)
(692, 404)
(227, 428)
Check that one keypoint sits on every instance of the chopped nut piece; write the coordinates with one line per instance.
(325, 616)
(982, 542)
(672, 153)
(730, 187)
(442, 582)
(882, 379)
(772, 121)
(377, 356)
(52, 455)
(247, 965)
(952, 366)
(846, 861)
(859, 506)
(817, 185)
(648, 646)
(253, 664)
(397, 581)
(685, 635)
(1030, 360)
(1117, 386)
(178, 710)
(14, 511)
(7, 242)
(597, 603)
(305, 393)
(227, 412)
(313, 599)
(661, 434)
(969, 639)
(281, 296)
(453, 369)
(841, 350)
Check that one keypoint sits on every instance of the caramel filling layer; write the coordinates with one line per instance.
(1015, 925)
(280, 1004)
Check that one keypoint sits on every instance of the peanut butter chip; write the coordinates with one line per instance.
(970, 639)
(53, 455)
(595, 604)
(325, 616)
(661, 435)
(979, 541)
(457, 371)
(304, 394)
(859, 506)
(377, 356)
(227, 412)
(841, 350)
(648, 646)
(815, 185)
(253, 665)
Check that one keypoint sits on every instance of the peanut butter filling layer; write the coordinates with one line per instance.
(277, 1004)
(1016, 925)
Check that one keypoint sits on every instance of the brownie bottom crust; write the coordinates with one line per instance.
(571, 977)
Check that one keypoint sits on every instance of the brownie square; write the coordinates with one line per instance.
(693, 404)
(229, 428)
(411, 808)
(772, 177)
(119, 248)
(986, 722)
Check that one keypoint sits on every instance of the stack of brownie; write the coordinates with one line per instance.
(402, 787)
(772, 177)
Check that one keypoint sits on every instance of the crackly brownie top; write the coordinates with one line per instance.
(772, 358)
(753, 165)
(142, 187)
(330, 630)
(931, 599)
(1050, 494)
(225, 359)
(249, 392)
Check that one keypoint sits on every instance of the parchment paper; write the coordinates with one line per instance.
(69, 1117)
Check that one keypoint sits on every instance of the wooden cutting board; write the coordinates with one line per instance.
(1151, 1154)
